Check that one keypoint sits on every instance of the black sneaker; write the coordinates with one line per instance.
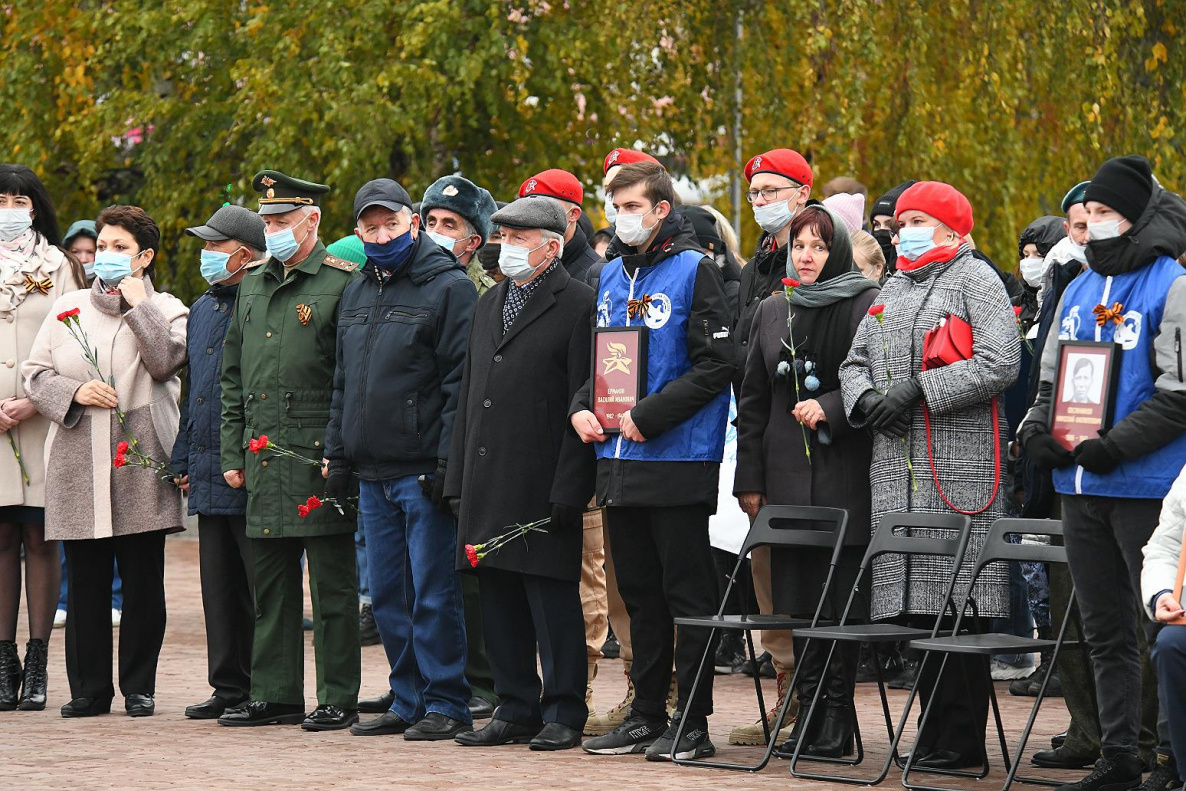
(693, 744)
(1164, 776)
(1118, 773)
(728, 656)
(635, 735)
(611, 649)
(368, 630)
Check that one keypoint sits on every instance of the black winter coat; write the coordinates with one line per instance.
(760, 278)
(400, 353)
(196, 450)
(579, 258)
(514, 452)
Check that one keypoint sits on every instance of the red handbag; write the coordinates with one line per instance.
(949, 342)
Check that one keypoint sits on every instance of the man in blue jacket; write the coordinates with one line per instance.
(1133, 294)
(234, 237)
(403, 330)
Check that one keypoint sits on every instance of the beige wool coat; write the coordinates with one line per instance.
(144, 348)
(24, 272)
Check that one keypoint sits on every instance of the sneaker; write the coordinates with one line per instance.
(693, 744)
(1118, 773)
(59, 619)
(368, 630)
(635, 735)
(116, 616)
(1003, 671)
(765, 666)
(729, 655)
(601, 724)
(1164, 776)
(754, 735)
(611, 649)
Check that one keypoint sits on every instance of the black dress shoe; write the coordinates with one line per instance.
(389, 724)
(1063, 757)
(497, 733)
(330, 718)
(480, 708)
(137, 705)
(555, 736)
(435, 728)
(368, 630)
(1058, 739)
(946, 759)
(377, 705)
(258, 712)
(210, 709)
(86, 707)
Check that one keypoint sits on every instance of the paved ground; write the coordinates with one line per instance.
(39, 750)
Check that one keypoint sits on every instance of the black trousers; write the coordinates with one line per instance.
(89, 566)
(520, 614)
(959, 713)
(665, 571)
(228, 602)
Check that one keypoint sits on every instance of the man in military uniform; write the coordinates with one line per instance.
(277, 374)
(455, 213)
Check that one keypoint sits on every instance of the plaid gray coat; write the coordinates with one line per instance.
(958, 397)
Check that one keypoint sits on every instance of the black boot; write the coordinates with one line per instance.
(811, 670)
(10, 675)
(36, 677)
(835, 736)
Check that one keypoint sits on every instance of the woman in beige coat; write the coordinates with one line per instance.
(101, 512)
(33, 273)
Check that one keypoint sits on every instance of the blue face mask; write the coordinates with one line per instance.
(391, 254)
(915, 242)
(282, 245)
(112, 267)
(214, 266)
(89, 270)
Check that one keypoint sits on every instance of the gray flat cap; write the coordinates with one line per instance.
(532, 213)
(232, 222)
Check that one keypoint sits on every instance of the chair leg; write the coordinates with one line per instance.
(749, 640)
(1025, 734)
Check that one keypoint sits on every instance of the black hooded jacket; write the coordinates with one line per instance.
(760, 278)
(401, 351)
(578, 257)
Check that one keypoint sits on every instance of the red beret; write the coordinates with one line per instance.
(554, 183)
(942, 201)
(781, 162)
(624, 156)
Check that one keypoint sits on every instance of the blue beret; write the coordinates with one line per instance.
(461, 195)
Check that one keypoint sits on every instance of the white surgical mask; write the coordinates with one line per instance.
(611, 214)
(446, 242)
(512, 260)
(14, 222)
(1032, 270)
(773, 217)
(1078, 252)
(1107, 229)
(630, 229)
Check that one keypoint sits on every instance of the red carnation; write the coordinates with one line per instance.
(302, 510)
(876, 310)
(120, 460)
(313, 502)
(791, 282)
(472, 555)
(256, 445)
(67, 315)
(1017, 311)
(121, 448)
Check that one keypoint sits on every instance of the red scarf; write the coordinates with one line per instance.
(942, 253)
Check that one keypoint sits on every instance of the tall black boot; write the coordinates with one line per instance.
(10, 675)
(835, 736)
(811, 671)
(36, 677)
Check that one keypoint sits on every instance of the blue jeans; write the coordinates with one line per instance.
(360, 555)
(411, 546)
(117, 586)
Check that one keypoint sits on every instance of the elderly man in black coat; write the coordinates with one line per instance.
(515, 460)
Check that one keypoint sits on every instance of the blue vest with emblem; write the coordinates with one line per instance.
(1142, 294)
(669, 284)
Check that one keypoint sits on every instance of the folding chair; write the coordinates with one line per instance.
(885, 542)
(998, 548)
(767, 532)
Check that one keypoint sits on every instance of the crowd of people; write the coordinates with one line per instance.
(415, 414)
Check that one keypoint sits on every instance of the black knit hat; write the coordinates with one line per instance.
(1124, 184)
(886, 203)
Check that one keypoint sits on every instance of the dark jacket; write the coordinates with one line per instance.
(196, 450)
(514, 452)
(658, 483)
(760, 278)
(400, 353)
(578, 257)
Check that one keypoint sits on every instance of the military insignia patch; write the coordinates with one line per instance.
(43, 285)
(449, 191)
(338, 263)
(267, 181)
(304, 313)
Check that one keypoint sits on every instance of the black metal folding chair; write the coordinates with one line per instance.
(997, 548)
(886, 541)
(769, 530)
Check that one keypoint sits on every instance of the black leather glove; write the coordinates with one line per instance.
(1095, 455)
(337, 482)
(898, 428)
(438, 483)
(565, 517)
(868, 402)
(1047, 452)
(896, 405)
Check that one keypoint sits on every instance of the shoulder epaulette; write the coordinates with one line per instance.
(338, 263)
(254, 264)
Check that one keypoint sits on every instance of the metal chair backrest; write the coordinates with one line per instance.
(997, 547)
(886, 541)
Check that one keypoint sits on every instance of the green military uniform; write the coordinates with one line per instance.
(277, 380)
(480, 278)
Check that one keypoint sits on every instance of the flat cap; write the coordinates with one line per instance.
(283, 193)
(232, 222)
(381, 192)
(528, 213)
(459, 194)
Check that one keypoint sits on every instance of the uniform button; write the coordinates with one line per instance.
(481, 451)
(10, 363)
(486, 403)
(745, 343)
(209, 350)
(8, 318)
(263, 396)
(609, 502)
(267, 335)
(264, 463)
(201, 449)
(267, 531)
(408, 402)
(201, 400)
(317, 443)
(498, 358)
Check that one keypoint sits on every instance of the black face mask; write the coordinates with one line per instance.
(884, 239)
(488, 256)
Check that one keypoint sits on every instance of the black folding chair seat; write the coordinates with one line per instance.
(866, 633)
(748, 623)
(986, 644)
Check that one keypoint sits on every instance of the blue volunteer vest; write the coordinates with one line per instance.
(669, 284)
(1142, 294)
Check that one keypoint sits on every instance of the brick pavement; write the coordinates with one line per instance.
(40, 750)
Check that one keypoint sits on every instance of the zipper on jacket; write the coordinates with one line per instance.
(1178, 349)
(1078, 480)
(366, 357)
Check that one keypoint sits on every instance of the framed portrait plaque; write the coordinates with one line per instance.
(619, 373)
(1084, 390)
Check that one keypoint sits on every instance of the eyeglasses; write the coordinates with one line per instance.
(769, 193)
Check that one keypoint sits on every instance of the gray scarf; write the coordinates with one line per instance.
(828, 292)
